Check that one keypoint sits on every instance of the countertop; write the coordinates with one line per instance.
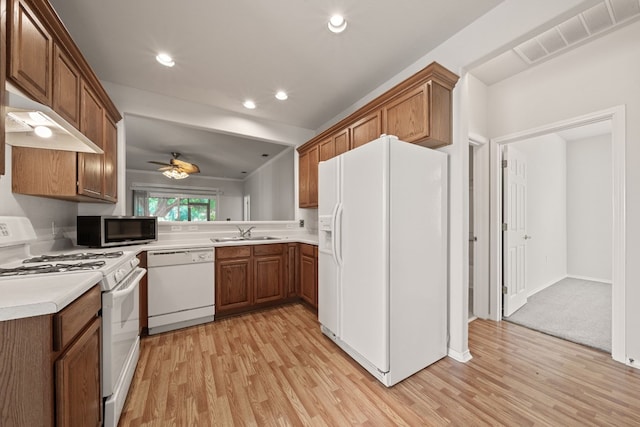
(35, 296)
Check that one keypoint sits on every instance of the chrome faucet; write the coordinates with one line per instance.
(245, 233)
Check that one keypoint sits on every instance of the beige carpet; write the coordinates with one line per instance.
(572, 309)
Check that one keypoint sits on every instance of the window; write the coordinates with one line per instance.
(175, 205)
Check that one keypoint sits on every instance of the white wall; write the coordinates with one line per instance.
(589, 208)
(546, 262)
(271, 189)
(597, 76)
(229, 202)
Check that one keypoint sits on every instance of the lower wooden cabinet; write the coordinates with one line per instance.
(50, 367)
(250, 277)
(309, 274)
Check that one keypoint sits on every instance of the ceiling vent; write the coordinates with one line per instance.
(594, 21)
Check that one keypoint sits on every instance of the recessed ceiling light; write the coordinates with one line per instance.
(281, 95)
(42, 131)
(165, 60)
(337, 24)
(249, 104)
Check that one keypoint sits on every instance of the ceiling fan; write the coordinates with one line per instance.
(177, 169)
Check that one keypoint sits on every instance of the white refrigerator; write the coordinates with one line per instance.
(382, 262)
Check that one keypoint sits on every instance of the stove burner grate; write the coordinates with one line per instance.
(73, 257)
(50, 268)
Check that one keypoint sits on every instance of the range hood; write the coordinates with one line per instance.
(25, 119)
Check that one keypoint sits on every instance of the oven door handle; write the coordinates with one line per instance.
(126, 291)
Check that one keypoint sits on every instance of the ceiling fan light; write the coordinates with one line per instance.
(175, 174)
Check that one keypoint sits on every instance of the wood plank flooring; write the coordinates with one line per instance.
(276, 368)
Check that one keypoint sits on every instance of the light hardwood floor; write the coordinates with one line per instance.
(275, 368)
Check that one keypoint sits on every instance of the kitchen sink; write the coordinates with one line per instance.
(242, 239)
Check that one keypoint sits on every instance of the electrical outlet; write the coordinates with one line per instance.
(176, 228)
(302, 223)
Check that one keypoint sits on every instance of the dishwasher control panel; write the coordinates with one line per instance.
(179, 256)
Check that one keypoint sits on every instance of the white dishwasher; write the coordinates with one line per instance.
(180, 288)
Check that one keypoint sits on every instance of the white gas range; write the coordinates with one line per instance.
(120, 299)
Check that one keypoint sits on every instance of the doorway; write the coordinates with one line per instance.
(617, 117)
(558, 242)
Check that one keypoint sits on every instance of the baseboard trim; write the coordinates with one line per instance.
(591, 279)
(460, 357)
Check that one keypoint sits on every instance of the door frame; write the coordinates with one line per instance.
(618, 138)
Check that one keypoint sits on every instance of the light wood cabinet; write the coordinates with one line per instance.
(66, 87)
(308, 178)
(53, 367)
(420, 114)
(309, 274)
(417, 110)
(268, 273)
(3, 76)
(327, 149)
(45, 63)
(31, 59)
(366, 129)
(78, 401)
(252, 276)
(341, 141)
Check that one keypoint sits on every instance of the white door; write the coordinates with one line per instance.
(515, 239)
(364, 248)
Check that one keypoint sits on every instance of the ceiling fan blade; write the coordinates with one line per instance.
(159, 163)
(185, 166)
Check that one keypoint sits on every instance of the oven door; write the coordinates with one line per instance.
(120, 328)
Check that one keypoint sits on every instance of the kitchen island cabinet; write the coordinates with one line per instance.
(50, 367)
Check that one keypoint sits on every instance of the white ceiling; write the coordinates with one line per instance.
(227, 51)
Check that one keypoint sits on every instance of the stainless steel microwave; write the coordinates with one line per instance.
(103, 231)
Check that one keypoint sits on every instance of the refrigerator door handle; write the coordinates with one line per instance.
(337, 235)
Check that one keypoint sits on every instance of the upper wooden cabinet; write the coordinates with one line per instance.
(365, 130)
(308, 177)
(3, 75)
(31, 61)
(418, 110)
(66, 87)
(45, 63)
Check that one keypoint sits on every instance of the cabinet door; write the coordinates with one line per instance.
(407, 116)
(341, 142)
(3, 76)
(78, 398)
(308, 285)
(366, 130)
(313, 177)
(268, 278)
(31, 61)
(233, 288)
(327, 149)
(308, 178)
(90, 166)
(66, 87)
(293, 270)
(110, 161)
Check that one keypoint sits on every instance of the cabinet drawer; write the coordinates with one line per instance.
(233, 252)
(306, 249)
(72, 319)
(272, 249)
